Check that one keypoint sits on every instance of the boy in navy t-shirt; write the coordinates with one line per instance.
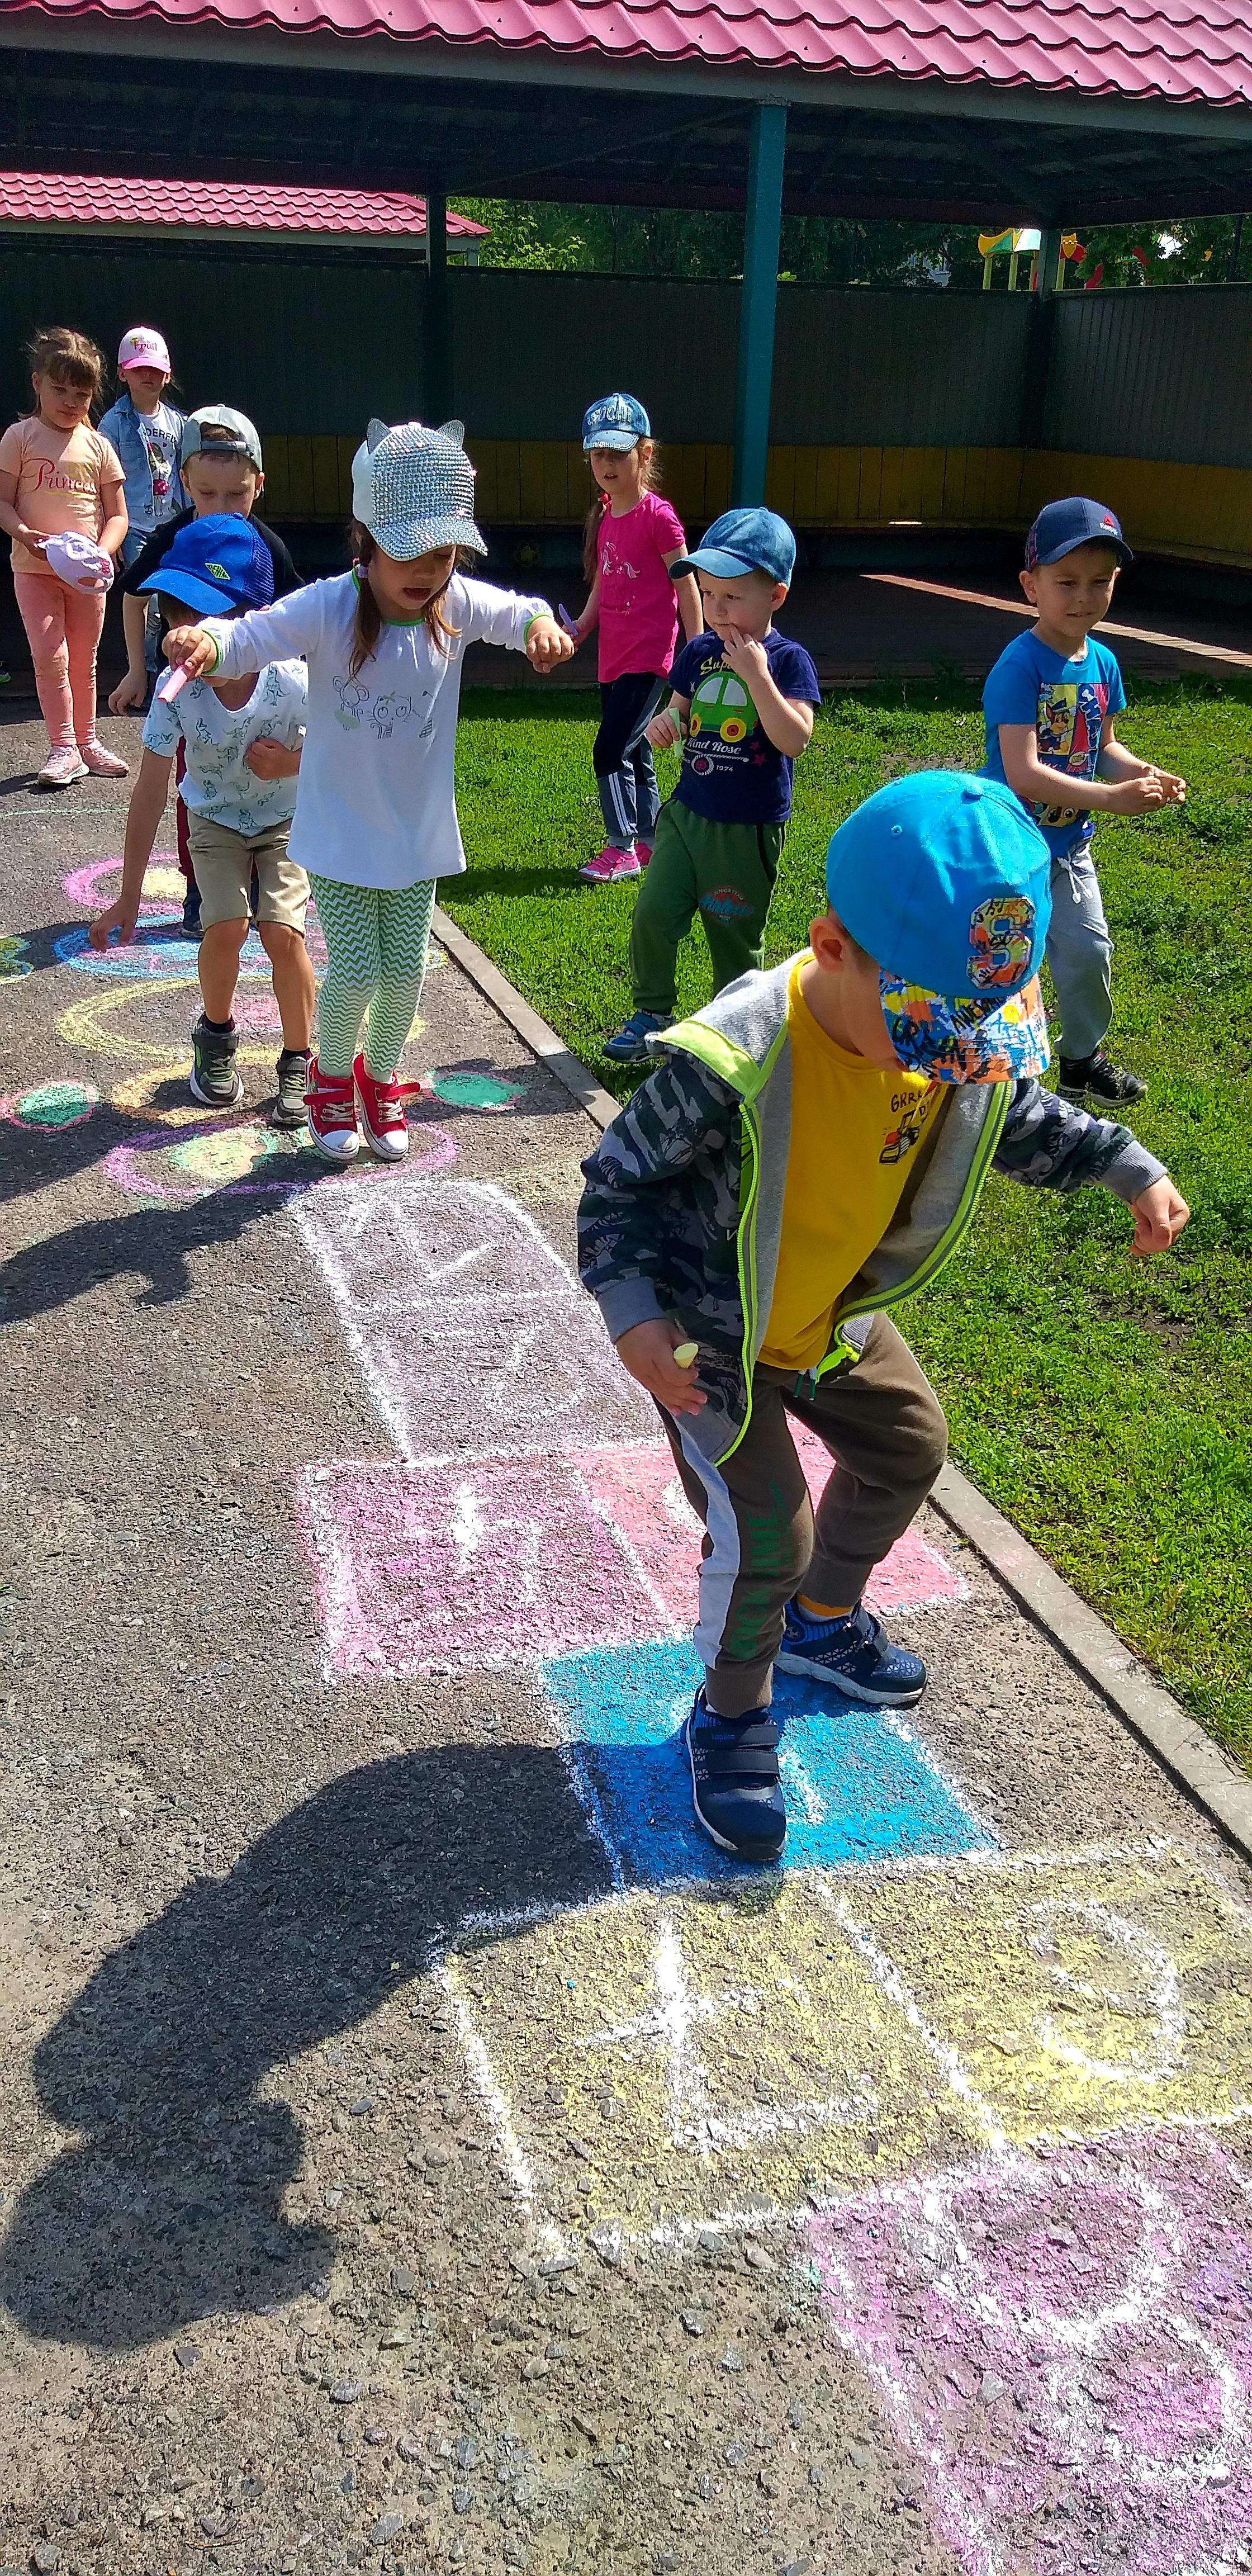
(1051, 703)
(743, 710)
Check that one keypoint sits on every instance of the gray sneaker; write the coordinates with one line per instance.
(213, 1076)
(293, 1073)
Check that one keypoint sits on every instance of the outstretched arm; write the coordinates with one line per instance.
(1049, 1144)
(147, 805)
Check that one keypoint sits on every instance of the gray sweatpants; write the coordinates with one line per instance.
(1080, 953)
(884, 1425)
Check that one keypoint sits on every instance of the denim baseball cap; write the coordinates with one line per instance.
(616, 420)
(743, 541)
(1065, 525)
(944, 880)
(216, 564)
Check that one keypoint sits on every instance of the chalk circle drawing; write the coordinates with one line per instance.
(15, 957)
(470, 1331)
(99, 883)
(92, 1024)
(1065, 2343)
(152, 952)
(137, 1095)
(247, 1160)
(463, 1088)
(51, 1105)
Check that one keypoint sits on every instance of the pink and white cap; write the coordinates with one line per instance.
(143, 348)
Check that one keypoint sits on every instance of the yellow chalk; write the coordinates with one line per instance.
(687, 1354)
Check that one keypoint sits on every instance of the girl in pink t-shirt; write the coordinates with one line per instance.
(59, 476)
(631, 538)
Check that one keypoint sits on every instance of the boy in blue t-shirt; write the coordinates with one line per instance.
(1051, 703)
(743, 710)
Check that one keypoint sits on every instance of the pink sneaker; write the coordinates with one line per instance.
(101, 763)
(380, 1106)
(330, 1101)
(643, 852)
(609, 866)
(62, 766)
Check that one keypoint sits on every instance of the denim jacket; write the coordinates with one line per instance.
(121, 425)
(682, 1212)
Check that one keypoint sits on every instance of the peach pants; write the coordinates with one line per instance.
(63, 631)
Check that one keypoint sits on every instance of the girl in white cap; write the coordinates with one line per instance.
(375, 821)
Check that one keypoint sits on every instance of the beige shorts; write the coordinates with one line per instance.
(224, 861)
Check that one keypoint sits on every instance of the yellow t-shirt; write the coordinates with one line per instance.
(853, 1131)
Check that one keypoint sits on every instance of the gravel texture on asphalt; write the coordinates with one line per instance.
(401, 2168)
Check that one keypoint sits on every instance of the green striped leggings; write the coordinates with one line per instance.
(376, 943)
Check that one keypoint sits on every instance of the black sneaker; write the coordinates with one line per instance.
(1092, 1077)
(193, 927)
(213, 1076)
(293, 1073)
(734, 1780)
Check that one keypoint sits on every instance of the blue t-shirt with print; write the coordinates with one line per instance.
(731, 772)
(1067, 703)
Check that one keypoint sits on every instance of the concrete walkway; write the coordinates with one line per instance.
(419, 2150)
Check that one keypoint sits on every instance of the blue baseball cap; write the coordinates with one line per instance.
(743, 541)
(1065, 525)
(215, 565)
(617, 420)
(944, 880)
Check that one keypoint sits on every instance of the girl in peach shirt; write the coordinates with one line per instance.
(58, 474)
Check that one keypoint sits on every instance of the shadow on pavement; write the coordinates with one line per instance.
(170, 2208)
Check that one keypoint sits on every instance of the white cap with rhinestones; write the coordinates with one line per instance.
(413, 488)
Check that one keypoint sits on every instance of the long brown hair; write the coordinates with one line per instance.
(69, 357)
(649, 481)
(368, 622)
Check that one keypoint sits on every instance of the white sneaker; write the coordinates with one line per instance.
(63, 765)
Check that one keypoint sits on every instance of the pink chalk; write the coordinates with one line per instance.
(174, 681)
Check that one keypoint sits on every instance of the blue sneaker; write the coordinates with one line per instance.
(853, 1655)
(630, 1046)
(734, 1780)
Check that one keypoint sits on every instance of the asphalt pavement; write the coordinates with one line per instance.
(418, 2149)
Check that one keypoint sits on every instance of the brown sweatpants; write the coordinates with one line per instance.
(884, 1425)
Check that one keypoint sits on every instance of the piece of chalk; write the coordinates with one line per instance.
(687, 1354)
(174, 681)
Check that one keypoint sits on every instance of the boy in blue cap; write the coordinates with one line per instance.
(742, 707)
(1051, 703)
(808, 1153)
(242, 740)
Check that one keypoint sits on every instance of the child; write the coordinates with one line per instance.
(146, 432)
(375, 820)
(809, 1152)
(56, 474)
(743, 699)
(1051, 703)
(239, 814)
(631, 540)
(222, 470)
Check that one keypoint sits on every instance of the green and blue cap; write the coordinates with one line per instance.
(944, 880)
(216, 565)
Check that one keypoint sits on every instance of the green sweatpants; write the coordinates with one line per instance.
(723, 871)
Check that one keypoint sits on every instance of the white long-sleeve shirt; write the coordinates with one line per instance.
(376, 802)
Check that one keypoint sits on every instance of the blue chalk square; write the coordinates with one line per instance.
(858, 1784)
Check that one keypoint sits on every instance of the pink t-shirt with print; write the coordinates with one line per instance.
(638, 607)
(61, 474)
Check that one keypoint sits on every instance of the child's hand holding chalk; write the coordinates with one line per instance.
(687, 1354)
(173, 682)
(665, 1368)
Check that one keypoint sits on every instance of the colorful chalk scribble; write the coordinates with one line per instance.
(50, 1105)
(15, 957)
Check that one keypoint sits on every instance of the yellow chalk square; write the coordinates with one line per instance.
(1077, 1994)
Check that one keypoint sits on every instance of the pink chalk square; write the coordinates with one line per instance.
(640, 1490)
(1065, 2343)
(478, 1560)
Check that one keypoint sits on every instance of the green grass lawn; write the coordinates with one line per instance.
(1105, 1404)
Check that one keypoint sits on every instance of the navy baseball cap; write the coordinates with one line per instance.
(216, 564)
(1065, 525)
(944, 880)
(743, 541)
(617, 420)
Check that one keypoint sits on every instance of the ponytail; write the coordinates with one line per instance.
(367, 625)
(649, 455)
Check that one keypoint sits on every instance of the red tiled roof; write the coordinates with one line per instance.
(43, 197)
(1197, 51)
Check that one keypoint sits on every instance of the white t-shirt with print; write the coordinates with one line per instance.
(218, 781)
(377, 802)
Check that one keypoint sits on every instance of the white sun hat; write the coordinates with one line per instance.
(77, 561)
(413, 488)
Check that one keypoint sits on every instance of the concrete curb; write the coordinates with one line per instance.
(1198, 1766)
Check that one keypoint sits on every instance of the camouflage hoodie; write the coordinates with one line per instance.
(682, 1212)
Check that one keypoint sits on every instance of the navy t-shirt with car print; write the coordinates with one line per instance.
(731, 771)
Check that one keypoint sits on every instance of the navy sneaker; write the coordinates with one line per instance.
(192, 927)
(630, 1046)
(734, 1780)
(853, 1655)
